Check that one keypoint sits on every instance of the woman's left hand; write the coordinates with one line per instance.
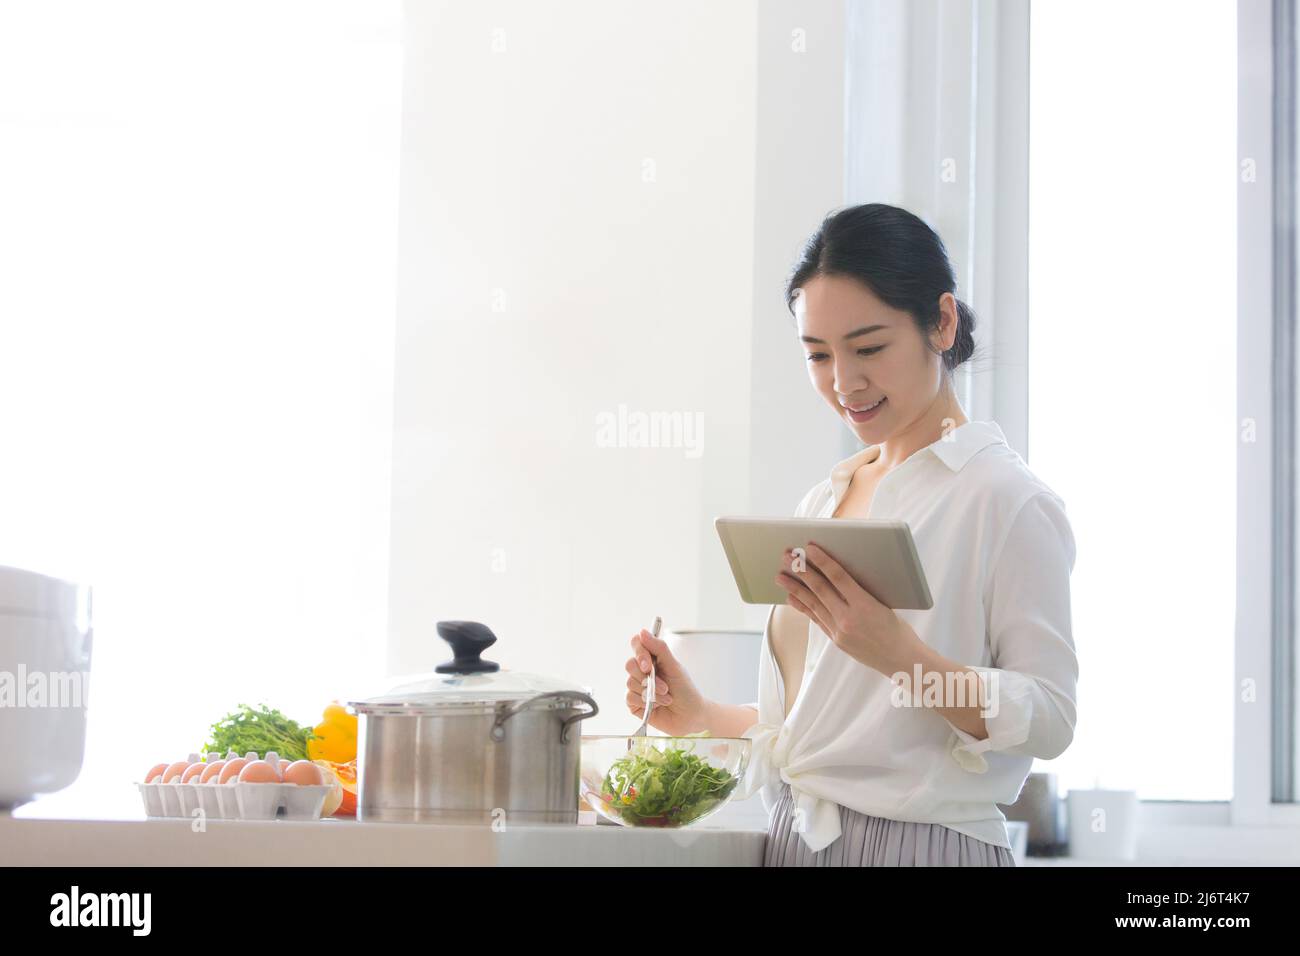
(852, 618)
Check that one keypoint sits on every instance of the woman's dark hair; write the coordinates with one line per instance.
(898, 257)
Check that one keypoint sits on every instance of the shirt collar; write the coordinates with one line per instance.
(962, 443)
(954, 449)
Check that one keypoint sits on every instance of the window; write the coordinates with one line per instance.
(197, 269)
(1132, 376)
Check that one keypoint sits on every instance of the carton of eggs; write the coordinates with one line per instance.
(237, 788)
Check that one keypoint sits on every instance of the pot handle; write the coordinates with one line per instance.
(498, 726)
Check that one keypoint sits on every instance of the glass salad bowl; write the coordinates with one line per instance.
(660, 781)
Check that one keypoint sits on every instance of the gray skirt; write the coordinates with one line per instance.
(875, 841)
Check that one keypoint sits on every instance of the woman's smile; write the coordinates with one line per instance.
(864, 412)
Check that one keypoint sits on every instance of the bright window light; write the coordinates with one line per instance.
(1133, 376)
(197, 280)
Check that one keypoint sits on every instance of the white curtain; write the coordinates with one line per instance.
(938, 123)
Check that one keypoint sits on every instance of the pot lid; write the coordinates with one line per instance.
(465, 679)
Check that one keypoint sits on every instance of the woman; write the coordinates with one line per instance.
(881, 737)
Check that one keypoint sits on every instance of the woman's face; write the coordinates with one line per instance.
(861, 352)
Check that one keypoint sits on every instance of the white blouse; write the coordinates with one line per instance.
(998, 552)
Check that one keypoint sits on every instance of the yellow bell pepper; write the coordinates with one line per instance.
(335, 737)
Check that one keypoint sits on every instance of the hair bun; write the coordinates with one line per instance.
(896, 255)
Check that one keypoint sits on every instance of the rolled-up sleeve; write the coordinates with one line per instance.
(1030, 690)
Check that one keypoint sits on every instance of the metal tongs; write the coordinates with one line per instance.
(649, 693)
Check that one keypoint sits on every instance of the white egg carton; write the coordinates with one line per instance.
(232, 800)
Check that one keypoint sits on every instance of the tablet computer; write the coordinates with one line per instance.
(879, 554)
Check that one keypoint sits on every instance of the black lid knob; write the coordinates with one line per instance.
(468, 640)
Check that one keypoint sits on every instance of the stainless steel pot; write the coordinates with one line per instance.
(471, 743)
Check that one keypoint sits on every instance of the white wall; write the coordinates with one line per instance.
(800, 178)
(580, 194)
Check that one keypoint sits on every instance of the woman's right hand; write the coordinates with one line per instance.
(679, 708)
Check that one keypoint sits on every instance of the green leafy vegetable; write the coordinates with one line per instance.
(665, 788)
(259, 729)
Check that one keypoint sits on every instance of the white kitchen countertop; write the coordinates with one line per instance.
(93, 824)
(62, 832)
(337, 842)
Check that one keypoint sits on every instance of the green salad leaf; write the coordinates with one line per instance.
(259, 729)
(667, 788)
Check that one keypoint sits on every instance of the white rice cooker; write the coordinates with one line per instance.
(45, 640)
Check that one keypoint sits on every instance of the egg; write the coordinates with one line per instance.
(212, 772)
(259, 771)
(304, 773)
(173, 772)
(230, 772)
(155, 772)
